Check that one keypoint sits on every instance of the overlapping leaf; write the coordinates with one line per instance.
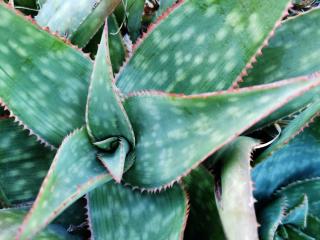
(296, 161)
(23, 163)
(10, 220)
(41, 74)
(236, 203)
(169, 145)
(203, 221)
(292, 52)
(78, 23)
(118, 212)
(201, 46)
(74, 172)
(105, 116)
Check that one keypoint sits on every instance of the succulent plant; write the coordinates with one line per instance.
(132, 136)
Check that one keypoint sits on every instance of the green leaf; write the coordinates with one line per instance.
(236, 203)
(270, 218)
(292, 129)
(291, 53)
(10, 220)
(80, 23)
(203, 221)
(93, 22)
(118, 212)
(41, 74)
(134, 13)
(105, 116)
(297, 234)
(115, 161)
(23, 163)
(309, 187)
(74, 172)
(194, 127)
(201, 46)
(285, 165)
(313, 226)
(298, 215)
(117, 49)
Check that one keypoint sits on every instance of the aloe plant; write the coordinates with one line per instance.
(132, 139)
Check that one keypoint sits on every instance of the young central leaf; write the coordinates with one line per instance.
(105, 115)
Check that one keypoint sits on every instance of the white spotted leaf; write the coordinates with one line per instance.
(23, 163)
(118, 212)
(201, 46)
(74, 171)
(10, 220)
(169, 145)
(105, 116)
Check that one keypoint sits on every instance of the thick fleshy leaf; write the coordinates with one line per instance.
(297, 234)
(118, 212)
(298, 215)
(270, 218)
(235, 202)
(286, 165)
(292, 129)
(105, 116)
(313, 226)
(134, 13)
(74, 171)
(41, 74)
(117, 49)
(23, 162)
(309, 187)
(203, 221)
(292, 52)
(114, 162)
(194, 127)
(10, 220)
(187, 53)
(78, 23)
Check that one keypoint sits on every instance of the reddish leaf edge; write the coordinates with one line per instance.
(30, 19)
(230, 91)
(15, 118)
(259, 52)
(295, 134)
(71, 198)
(149, 30)
(116, 90)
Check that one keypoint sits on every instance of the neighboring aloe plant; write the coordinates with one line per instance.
(134, 143)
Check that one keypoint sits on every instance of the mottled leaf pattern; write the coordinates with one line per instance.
(118, 212)
(169, 145)
(23, 162)
(74, 171)
(105, 116)
(291, 53)
(223, 36)
(10, 220)
(115, 161)
(32, 65)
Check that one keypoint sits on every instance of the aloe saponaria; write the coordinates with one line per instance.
(133, 142)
